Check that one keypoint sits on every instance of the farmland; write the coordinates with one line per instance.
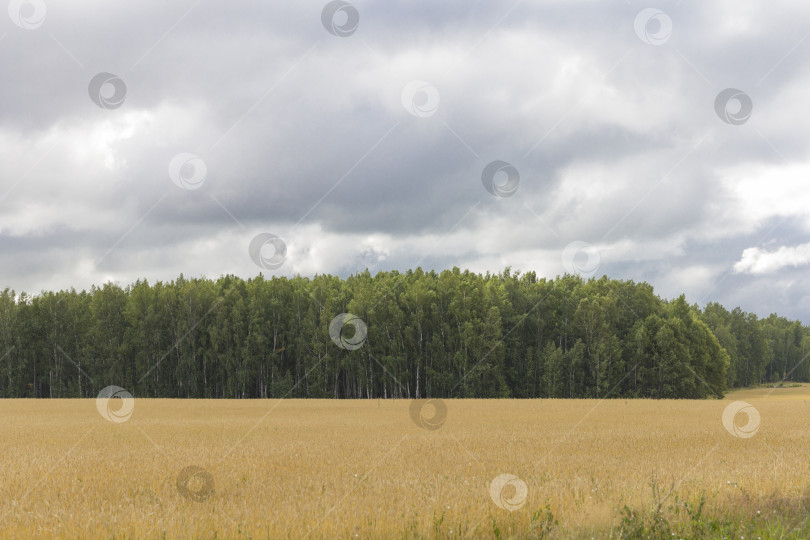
(395, 468)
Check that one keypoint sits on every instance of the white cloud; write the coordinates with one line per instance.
(758, 261)
(764, 190)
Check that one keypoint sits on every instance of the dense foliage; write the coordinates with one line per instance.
(448, 334)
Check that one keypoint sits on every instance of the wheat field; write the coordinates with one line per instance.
(392, 469)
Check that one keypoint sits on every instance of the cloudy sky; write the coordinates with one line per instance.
(665, 142)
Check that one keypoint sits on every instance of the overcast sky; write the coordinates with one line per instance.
(665, 142)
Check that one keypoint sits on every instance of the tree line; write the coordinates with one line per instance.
(415, 334)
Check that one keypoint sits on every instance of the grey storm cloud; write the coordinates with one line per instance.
(366, 151)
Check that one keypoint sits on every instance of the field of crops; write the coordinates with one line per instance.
(368, 469)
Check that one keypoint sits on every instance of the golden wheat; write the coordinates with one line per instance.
(341, 469)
